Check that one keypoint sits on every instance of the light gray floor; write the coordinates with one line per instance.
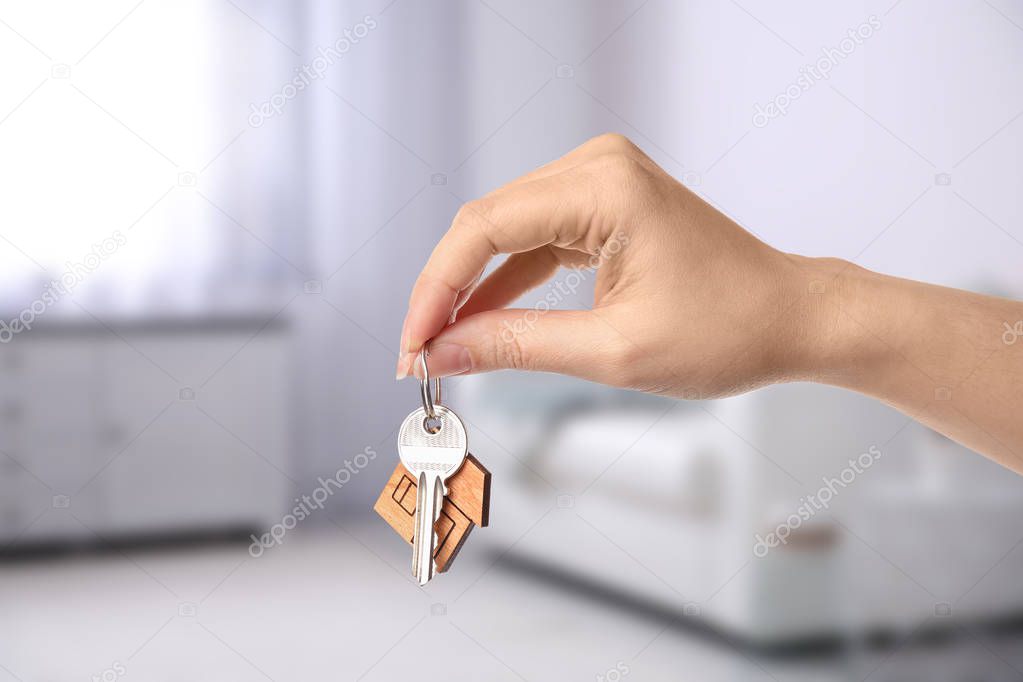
(337, 604)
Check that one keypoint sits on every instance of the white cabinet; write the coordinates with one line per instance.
(48, 435)
(149, 429)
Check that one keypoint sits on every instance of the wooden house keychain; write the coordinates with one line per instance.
(438, 492)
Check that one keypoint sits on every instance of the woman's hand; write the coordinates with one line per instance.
(684, 296)
(689, 304)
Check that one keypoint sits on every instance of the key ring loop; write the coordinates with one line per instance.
(424, 386)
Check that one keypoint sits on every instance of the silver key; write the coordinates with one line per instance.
(431, 458)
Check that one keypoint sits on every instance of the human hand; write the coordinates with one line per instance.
(689, 304)
(683, 298)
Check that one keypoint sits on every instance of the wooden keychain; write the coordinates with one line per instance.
(466, 504)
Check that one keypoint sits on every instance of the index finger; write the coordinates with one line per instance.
(556, 209)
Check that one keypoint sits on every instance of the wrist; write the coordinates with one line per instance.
(841, 308)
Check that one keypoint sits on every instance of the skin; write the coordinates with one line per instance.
(689, 304)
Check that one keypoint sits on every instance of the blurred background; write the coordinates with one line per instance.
(212, 213)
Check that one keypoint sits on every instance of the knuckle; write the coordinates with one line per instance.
(620, 165)
(624, 361)
(475, 212)
(612, 143)
(477, 215)
(621, 170)
(511, 353)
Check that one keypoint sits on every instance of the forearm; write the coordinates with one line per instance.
(940, 355)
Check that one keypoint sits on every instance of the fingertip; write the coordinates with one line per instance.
(430, 308)
(403, 342)
(445, 360)
(404, 362)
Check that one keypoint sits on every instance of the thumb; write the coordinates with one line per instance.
(574, 342)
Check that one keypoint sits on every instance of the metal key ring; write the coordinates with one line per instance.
(424, 386)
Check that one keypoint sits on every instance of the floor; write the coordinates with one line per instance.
(338, 604)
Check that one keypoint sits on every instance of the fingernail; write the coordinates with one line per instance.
(404, 360)
(404, 337)
(447, 359)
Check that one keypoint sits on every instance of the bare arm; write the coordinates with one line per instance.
(689, 304)
(942, 356)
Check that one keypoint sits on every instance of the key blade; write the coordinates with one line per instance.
(417, 534)
(431, 500)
